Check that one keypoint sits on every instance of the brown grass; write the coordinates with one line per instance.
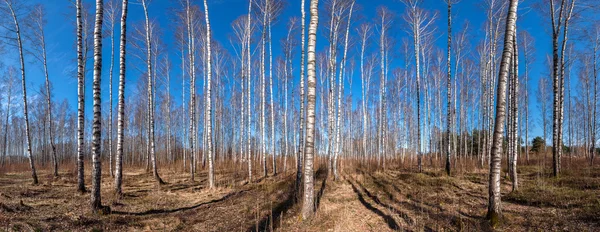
(366, 198)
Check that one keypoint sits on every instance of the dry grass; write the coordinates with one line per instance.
(364, 199)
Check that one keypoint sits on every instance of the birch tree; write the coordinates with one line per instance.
(10, 82)
(559, 27)
(494, 213)
(308, 204)
(121, 105)
(419, 22)
(111, 17)
(11, 8)
(300, 154)
(527, 45)
(96, 200)
(340, 93)
(211, 171)
(80, 99)
(38, 24)
(149, 58)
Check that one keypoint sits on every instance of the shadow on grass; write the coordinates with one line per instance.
(165, 211)
(388, 219)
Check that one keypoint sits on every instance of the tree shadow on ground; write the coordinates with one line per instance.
(165, 211)
(388, 219)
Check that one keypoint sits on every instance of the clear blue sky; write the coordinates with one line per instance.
(61, 51)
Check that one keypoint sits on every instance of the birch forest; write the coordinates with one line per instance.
(299, 115)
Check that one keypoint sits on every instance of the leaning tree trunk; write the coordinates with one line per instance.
(80, 101)
(96, 200)
(494, 206)
(39, 22)
(150, 96)
(121, 104)
(308, 205)
(25, 114)
(211, 170)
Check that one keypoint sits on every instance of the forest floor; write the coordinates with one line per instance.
(363, 199)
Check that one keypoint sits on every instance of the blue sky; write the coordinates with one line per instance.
(61, 51)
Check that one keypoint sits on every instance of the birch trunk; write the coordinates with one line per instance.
(308, 204)
(300, 153)
(340, 92)
(96, 200)
(449, 116)
(249, 76)
(515, 114)
(271, 89)
(150, 95)
(24, 89)
(192, 57)
(80, 100)
(494, 206)
(207, 108)
(121, 104)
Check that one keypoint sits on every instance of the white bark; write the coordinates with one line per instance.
(308, 204)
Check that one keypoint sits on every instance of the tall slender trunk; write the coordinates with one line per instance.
(192, 66)
(515, 113)
(449, 117)
(308, 204)
(110, 95)
(150, 95)
(183, 128)
(121, 104)
(48, 100)
(6, 125)
(80, 100)
(97, 121)
(300, 153)
(249, 76)
(24, 89)
(271, 90)
(340, 92)
(494, 206)
(262, 93)
(207, 108)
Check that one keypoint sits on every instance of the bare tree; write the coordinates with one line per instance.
(364, 32)
(80, 99)
(111, 17)
(149, 57)
(97, 121)
(10, 9)
(37, 25)
(528, 50)
(211, 171)
(301, 134)
(420, 22)
(340, 93)
(121, 104)
(494, 208)
(10, 85)
(559, 27)
(308, 204)
(449, 86)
